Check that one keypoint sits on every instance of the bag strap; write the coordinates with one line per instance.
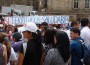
(24, 48)
(81, 42)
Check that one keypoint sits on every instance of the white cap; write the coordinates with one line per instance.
(30, 26)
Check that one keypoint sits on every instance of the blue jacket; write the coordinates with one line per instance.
(76, 52)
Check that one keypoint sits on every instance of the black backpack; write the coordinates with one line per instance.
(86, 53)
(86, 59)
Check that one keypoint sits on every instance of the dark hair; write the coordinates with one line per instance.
(75, 30)
(17, 36)
(4, 40)
(15, 29)
(44, 23)
(84, 22)
(58, 26)
(49, 36)
(37, 40)
(2, 36)
(5, 27)
(74, 23)
(0, 16)
(2, 19)
(63, 44)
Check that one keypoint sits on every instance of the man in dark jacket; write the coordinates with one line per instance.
(77, 51)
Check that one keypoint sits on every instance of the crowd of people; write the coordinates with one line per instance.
(45, 44)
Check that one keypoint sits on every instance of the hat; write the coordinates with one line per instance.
(30, 26)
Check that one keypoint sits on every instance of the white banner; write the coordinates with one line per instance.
(18, 20)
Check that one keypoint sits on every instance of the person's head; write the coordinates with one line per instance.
(43, 26)
(2, 36)
(74, 33)
(49, 36)
(16, 36)
(14, 29)
(29, 30)
(62, 44)
(84, 22)
(75, 24)
(9, 28)
(6, 29)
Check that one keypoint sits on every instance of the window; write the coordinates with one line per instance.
(75, 3)
(87, 3)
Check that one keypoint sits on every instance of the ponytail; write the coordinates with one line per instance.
(37, 36)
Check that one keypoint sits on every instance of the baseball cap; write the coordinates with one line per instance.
(30, 26)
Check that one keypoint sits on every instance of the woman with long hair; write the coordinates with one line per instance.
(3, 51)
(49, 41)
(59, 55)
(11, 57)
(49, 37)
(33, 46)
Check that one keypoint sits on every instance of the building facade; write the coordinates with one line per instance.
(79, 8)
(68, 6)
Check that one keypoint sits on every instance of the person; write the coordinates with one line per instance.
(85, 34)
(16, 41)
(74, 24)
(11, 56)
(33, 52)
(3, 52)
(85, 31)
(43, 27)
(49, 37)
(16, 37)
(77, 50)
(2, 21)
(49, 41)
(2, 28)
(60, 55)
(10, 30)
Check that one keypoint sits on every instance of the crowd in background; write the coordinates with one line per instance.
(45, 44)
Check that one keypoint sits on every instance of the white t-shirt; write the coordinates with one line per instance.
(68, 33)
(85, 34)
(12, 56)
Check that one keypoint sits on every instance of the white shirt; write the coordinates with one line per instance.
(12, 56)
(85, 34)
(68, 33)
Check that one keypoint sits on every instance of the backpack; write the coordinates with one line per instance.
(1, 54)
(86, 53)
(84, 47)
(86, 59)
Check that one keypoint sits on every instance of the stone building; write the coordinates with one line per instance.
(78, 8)
(69, 6)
